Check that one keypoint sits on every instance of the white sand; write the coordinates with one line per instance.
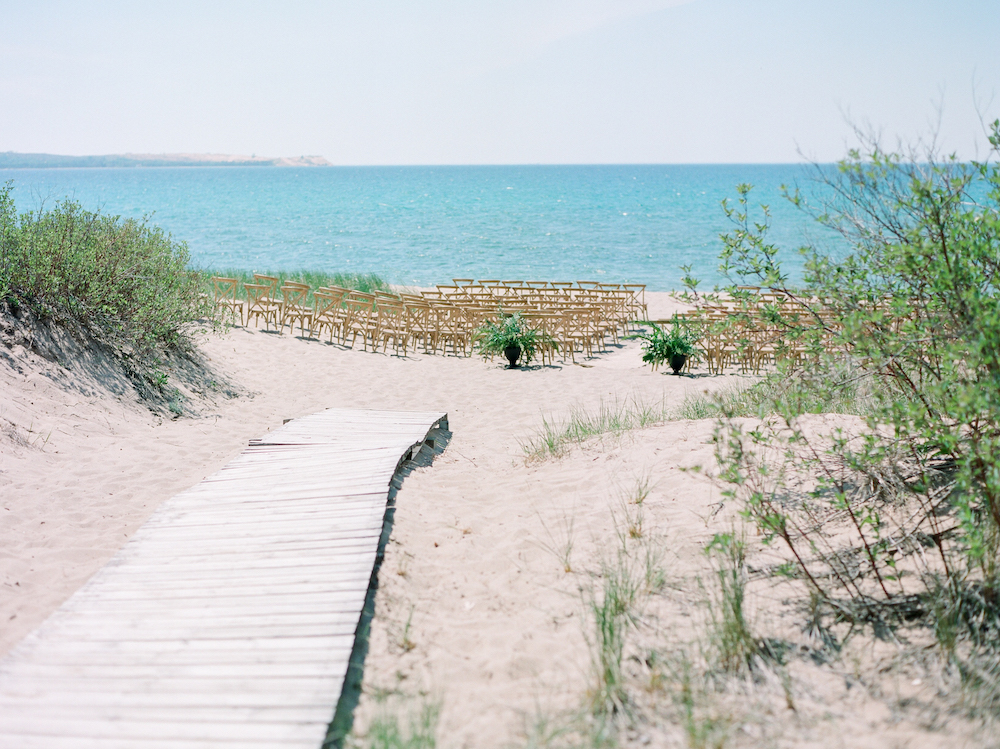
(475, 608)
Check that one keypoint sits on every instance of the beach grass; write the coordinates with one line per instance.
(618, 417)
(843, 389)
(400, 724)
(365, 282)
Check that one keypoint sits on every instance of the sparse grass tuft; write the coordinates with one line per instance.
(561, 547)
(733, 646)
(613, 611)
(702, 729)
(398, 725)
(654, 573)
(842, 389)
(406, 644)
(978, 674)
(621, 416)
(608, 697)
(630, 505)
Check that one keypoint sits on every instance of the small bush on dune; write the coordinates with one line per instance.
(123, 279)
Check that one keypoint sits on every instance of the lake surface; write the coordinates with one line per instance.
(426, 225)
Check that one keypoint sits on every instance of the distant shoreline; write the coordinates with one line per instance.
(12, 160)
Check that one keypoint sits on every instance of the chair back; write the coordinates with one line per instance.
(225, 289)
(225, 295)
(270, 281)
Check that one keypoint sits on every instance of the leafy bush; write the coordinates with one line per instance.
(122, 278)
(838, 388)
(899, 517)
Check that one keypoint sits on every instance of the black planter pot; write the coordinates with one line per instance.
(677, 362)
(512, 353)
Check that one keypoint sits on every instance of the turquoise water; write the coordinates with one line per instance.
(425, 225)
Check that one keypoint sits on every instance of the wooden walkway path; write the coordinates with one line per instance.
(229, 618)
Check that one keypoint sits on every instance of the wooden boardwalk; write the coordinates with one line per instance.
(229, 618)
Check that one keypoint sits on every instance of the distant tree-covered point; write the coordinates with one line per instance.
(12, 160)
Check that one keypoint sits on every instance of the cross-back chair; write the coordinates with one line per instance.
(226, 296)
(328, 311)
(295, 306)
(261, 305)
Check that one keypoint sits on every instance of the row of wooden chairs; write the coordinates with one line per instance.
(624, 302)
(738, 333)
(574, 318)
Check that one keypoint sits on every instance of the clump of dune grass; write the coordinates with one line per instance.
(560, 544)
(400, 723)
(734, 647)
(554, 437)
(366, 282)
(841, 388)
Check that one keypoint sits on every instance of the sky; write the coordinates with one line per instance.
(498, 81)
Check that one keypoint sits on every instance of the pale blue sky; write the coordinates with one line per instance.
(511, 81)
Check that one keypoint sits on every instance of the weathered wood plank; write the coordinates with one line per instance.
(22, 741)
(227, 731)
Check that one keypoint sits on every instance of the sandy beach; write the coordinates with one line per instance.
(481, 607)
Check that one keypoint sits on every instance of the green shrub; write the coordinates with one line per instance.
(839, 387)
(900, 520)
(398, 724)
(122, 278)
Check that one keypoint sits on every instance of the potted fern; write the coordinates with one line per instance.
(672, 346)
(512, 337)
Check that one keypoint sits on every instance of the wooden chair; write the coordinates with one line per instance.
(450, 328)
(328, 311)
(260, 304)
(294, 306)
(417, 321)
(361, 318)
(548, 324)
(638, 304)
(272, 283)
(576, 333)
(226, 295)
(391, 326)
